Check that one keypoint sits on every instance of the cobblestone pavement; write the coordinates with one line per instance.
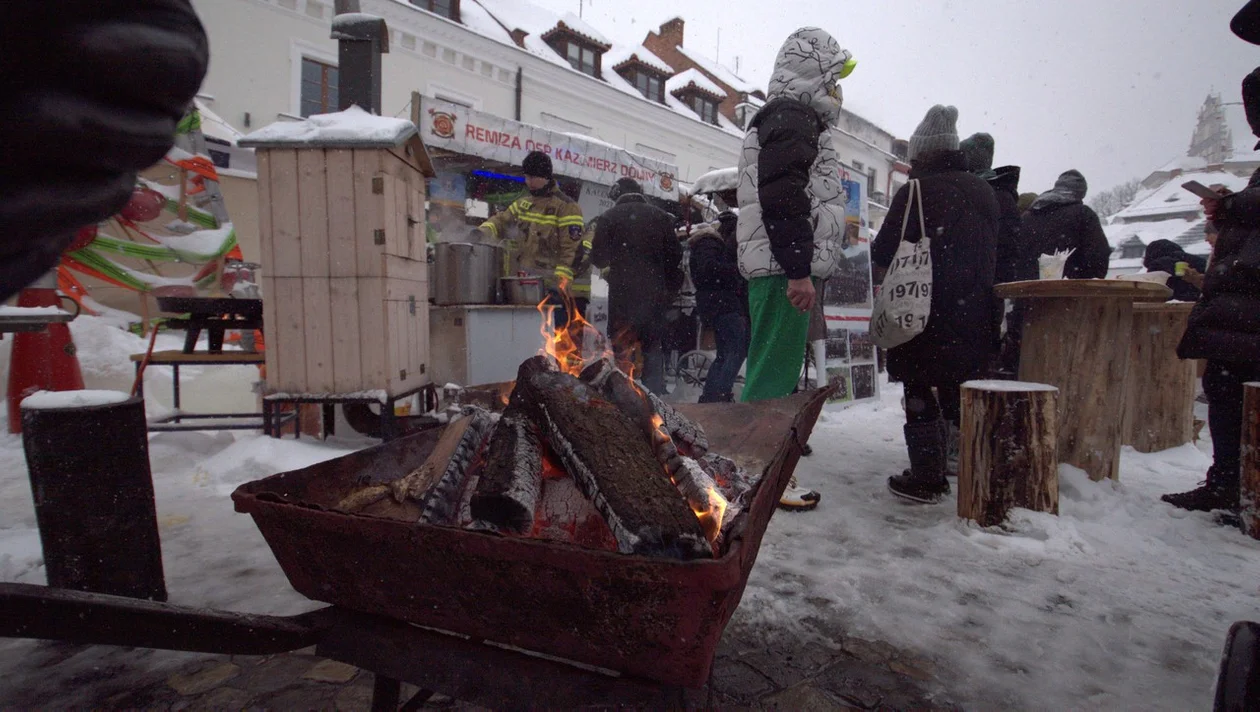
(754, 669)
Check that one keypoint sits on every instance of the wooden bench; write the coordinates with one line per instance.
(176, 359)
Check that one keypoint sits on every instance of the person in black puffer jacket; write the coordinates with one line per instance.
(1224, 328)
(636, 242)
(91, 93)
(721, 303)
(1059, 220)
(1163, 256)
(961, 216)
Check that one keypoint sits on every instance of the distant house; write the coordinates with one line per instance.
(1222, 152)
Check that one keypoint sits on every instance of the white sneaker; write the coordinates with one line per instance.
(798, 499)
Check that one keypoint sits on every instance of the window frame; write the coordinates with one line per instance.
(566, 44)
(705, 108)
(428, 5)
(636, 74)
(327, 100)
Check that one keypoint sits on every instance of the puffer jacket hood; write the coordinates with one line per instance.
(1068, 189)
(807, 70)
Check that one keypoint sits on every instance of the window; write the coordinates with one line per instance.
(650, 85)
(706, 108)
(319, 87)
(446, 8)
(582, 58)
(870, 182)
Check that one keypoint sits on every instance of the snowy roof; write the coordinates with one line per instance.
(578, 26)
(723, 74)
(215, 127)
(1147, 232)
(683, 80)
(1240, 134)
(1183, 163)
(352, 127)
(1171, 199)
(717, 181)
(620, 54)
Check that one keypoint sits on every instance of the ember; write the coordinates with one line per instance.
(583, 454)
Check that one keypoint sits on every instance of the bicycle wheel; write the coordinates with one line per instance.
(693, 367)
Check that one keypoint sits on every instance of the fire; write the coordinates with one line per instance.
(711, 520)
(564, 344)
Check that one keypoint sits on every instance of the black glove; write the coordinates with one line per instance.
(90, 93)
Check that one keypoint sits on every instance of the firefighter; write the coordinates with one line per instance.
(551, 243)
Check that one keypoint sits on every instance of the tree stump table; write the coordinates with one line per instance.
(1159, 393)
(1077, 335)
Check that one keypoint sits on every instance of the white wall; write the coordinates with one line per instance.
(257, 46)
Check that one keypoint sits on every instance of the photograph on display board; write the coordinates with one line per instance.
(840, 377)
(837, 345)
(850, 286)
(864, 381)
(861, 348)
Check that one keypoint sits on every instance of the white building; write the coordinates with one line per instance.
(1221, 153)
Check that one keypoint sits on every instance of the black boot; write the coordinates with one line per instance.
(950, 434)
(1220, 491)
(925, 481)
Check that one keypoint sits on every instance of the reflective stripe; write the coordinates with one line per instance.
(571, 221)
(587, 244)
(562, 271)
(490, 226)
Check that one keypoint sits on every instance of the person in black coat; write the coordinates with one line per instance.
(1059, 220)
(721, 303)
(1224, 328)
(635, 241)
(1163, 256)
(961, 214)
(92, 93)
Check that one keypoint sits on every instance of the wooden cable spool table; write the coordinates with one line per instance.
(1077, 337)
(1159, 393)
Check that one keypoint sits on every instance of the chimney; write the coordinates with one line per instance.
(361, 39)
(672, 32)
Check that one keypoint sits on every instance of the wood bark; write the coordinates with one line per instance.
(1080, 345)
(612, 463)
(1159, 394)
(507, 491)
(1008, 450)
(442, 501)
(1251, 460)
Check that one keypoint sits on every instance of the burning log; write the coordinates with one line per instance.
(451, 462)
(566, 515)
(681, 429)
(607, 456)
(507, 491)
(640, 404)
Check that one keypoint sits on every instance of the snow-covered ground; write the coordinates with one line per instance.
(1121, 602)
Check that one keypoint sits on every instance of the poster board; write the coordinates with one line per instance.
(847, 302)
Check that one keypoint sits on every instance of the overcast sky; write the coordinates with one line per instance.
(1110, 87)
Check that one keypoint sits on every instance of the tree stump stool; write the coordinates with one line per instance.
(1251, 460)
(1159, 391)
(1009, 450)
(88, 457)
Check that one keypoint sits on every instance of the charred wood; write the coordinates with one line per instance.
(612, 463)
(442, 500)
(507, 490)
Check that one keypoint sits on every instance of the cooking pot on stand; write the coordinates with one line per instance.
(465, 272)
(522, 289)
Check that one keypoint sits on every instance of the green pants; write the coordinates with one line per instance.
(776, 347)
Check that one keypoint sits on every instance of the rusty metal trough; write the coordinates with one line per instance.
(651, 618)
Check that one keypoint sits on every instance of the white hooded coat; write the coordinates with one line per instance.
(809, 60)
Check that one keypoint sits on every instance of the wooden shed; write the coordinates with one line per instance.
(342, 227)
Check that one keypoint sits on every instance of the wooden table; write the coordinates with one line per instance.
(1159, 393)
(1077, 336)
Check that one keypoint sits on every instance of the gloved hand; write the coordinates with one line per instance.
(91, 92)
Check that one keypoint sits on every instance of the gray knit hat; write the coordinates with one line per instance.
(979, 150)
(937, 132)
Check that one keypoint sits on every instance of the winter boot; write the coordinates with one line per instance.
(1220, 491)
(798, 499)
(951, 434)
(925, 481)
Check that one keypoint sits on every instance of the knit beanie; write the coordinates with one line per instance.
(937, 132)
(979, 150)
(624, 186)
(537, 164)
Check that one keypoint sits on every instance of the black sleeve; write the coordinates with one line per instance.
(92, 93)
(789, 145)
(885, 246)
(711, 267)
(1096, 251)
(601, 251)
(1240, 209)
(1008, 240)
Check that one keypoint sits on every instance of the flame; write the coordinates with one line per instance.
(711, 519)
(565, 344)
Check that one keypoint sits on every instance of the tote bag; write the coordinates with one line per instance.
(905, 297)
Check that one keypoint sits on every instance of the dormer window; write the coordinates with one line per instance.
(704, 106)
(583, 53)
(649, 82)
(446, 8)
(698, 93)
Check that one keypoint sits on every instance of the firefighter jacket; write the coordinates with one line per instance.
(550, 241)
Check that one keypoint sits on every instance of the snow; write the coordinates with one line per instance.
(621, 53)
(376, 394)
(1184, 163)
(1148, 232)
(1120, 602)
(725, 75)
(1171, 199)
(717, 181)
(354, 125)
(1240, 132)
(12, 311)
(42, 400)
(201, 242)
(692, 76)
(354, 23)
(1009, 386)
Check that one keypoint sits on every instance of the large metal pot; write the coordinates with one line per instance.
(465, 272)
(522, 290)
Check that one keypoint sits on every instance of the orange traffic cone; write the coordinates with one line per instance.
(41, 360)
